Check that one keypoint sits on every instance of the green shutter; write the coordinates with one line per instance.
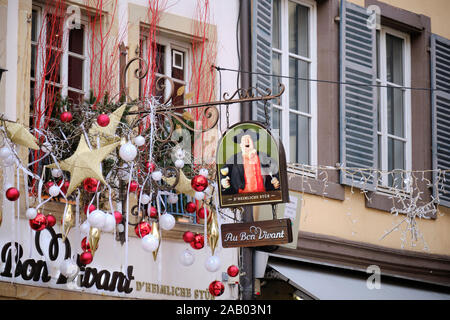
(358, 104)
(261, 52)
(440, 80)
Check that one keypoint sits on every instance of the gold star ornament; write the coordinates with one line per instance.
(85, 163)
(20, 135)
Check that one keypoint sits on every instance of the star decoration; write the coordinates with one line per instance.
(20, 135)
(85, 163)
(107, 134)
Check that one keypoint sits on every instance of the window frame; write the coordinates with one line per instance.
(382, 129)
(170, 44)
(284, 107)
(64, 63)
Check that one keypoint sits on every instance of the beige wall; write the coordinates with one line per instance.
(437, 10)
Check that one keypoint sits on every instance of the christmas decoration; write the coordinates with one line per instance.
(118, 217)
(103, 120)
(133, 186)
(51, 220)
(191, 207)
(212, 264)
(213, 232)
(155, 233)
(66, 116)
(167, 221)
(18, 134)
(110, 223)
(68, 221)
(86, 258)
(233, 271)
(128, 152)
(12, 194)
(150, 243)
(139, 141)
(186, 258)
(31, 213)
(39, 223)
(198, 242)
(90, 185)
(85, 245)
(216, 288)
(90, 208)
(69, 269)
(142, 229)
(96, 219)
(199, 183)
(188, 236)
(202, 212)
(152, 212)
(94, 238)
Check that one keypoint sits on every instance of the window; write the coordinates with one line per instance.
(171, 60)
(60, 54)
(294, 54)
(394, 136)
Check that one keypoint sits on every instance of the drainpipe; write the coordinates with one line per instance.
(247, 278)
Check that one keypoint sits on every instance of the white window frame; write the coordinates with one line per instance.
(64, 64)
(172, 44)
(309, 170)
(383, 132)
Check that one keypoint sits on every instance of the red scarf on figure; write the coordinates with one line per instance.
(252, 170)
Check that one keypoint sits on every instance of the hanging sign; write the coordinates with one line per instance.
(256, 234)
(251, 167)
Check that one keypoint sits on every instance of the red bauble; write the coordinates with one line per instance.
(39, 223)
(143, 229)
(188, 236)
(85, 245)
(191, 207)
(86, 257)
(51, 220)
(103, 120)
(150, 167)
(216, 288)
(118, 216)
(152, 212)
(66, 117)
(90, 185)
(64, 186)
(233, 271)
(48, 185)
(199, 183)
(202, 212)
(12, 194)
(198, 242)
(133, 186)
(91, 208)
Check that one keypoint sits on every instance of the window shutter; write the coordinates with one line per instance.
(261, 52)
(358, 104)
(440, 79)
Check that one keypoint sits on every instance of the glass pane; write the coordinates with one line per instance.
(75, 97)
(276, 69)
(379, 108)
(76, 41)
(159, 59)
(379, 164)
(177, 100)
(54, 31)
(298, 139)
(52, 71)
(395, 112)
(396, 160)
(33, 61)
(298, 29)
(276, 24)
(276, 122)
(158, 92)
(177, 73)
(378, 54)
(34, 22)
(394, 59)
(298, 89)
(76, 73)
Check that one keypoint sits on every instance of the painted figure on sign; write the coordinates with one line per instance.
(249, 170)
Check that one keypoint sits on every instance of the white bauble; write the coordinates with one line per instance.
(167, 221)
(57, 173)
(212, 264)
(150, 243)
(172, 198)
(145, 198)
(179, 163)
(186, 258)
(157, 175)
(120, 228)
(54, 191)
(199, 195)
(46, 147)
(31, 213)
(5, 152)
(203, 172)
(180, 153)
(110, 223)
(139, 141)
(69, 268)
(97, 219)
(128, 152)
(85, 227)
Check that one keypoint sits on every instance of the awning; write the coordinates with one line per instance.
(330, 283)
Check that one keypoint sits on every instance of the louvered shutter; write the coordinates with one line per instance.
(358, 104)
(261, 52)
(440, 79)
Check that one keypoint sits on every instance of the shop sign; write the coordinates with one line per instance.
(251, 167)
(258, 233)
